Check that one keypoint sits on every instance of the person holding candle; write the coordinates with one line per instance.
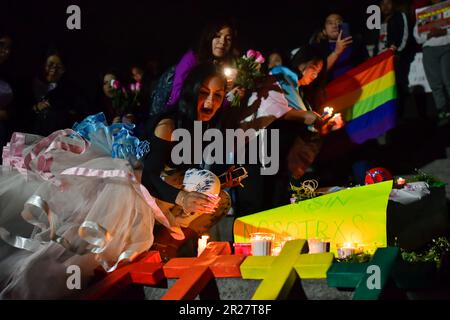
(284, 99)
(300, 143)
(217, 45)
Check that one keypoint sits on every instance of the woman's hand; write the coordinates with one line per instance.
(238, 91)
(307, 117)
(38, 107)
(129, 118)
(312, 118)
(342, 44)
(333, 124)
(197, 202)
(116, 120)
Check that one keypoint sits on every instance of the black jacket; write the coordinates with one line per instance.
(396, 28)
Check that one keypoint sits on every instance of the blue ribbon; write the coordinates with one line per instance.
(124, 144)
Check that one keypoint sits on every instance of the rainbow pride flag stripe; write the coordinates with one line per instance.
(366, 97)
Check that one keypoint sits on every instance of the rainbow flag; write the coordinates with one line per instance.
(366, 98)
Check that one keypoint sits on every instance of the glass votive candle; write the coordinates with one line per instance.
(243, 249)
(262, 243)
(318, 245)
(276, 250)
(345, 250)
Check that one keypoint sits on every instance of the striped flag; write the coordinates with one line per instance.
(366, 98)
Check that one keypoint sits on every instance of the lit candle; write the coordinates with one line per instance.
(401, 182)
(276, 250)
(327, 111)
(347, 250)
(318, 246)
(202, 243)
(230, 73)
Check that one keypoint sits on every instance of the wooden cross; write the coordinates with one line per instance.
(194, 274)
(356, 275)
(280, 273)
(146, 270)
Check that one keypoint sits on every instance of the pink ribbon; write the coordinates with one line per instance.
(13, 152)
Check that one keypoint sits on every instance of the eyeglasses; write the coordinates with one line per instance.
(55, 65)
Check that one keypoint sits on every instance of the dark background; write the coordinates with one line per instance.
(117, 34)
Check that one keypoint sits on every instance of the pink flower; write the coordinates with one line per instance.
(133, 87)
(251, 53)
(115, 84)
(259, 57)
(138, 86)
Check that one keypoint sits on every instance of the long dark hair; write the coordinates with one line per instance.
(185, 112)
(204, 51)
(52, 50)
(315, 91)
(187, 105)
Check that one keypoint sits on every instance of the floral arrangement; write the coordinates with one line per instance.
(248, 70)
(124, 99)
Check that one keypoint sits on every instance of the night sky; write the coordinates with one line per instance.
(118, 33)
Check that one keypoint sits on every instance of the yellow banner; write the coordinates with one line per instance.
(355, 215)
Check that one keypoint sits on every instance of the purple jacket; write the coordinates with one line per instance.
(186, 64)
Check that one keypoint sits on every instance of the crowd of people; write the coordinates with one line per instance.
(106, 216)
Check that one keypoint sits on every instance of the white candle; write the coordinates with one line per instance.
(327, 111)
(202, 243)
(401, 182)
(317, 246)
(276, 250)
(261, 243)
(347, 250)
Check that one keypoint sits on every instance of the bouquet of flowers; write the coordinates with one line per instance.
(248, 70)
(124, 100)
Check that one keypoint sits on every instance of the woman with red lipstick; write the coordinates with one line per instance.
(200, 100)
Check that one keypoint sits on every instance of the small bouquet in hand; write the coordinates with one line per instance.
(125, 100)
(248, 70)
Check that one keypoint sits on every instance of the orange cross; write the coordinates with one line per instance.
(194, 274)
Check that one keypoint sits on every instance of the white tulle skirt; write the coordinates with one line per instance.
(66, 202)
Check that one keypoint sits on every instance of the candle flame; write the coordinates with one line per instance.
(229, 72)
(328, 110)
(349, 245)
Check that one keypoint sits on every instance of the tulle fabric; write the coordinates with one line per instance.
(64, 201)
